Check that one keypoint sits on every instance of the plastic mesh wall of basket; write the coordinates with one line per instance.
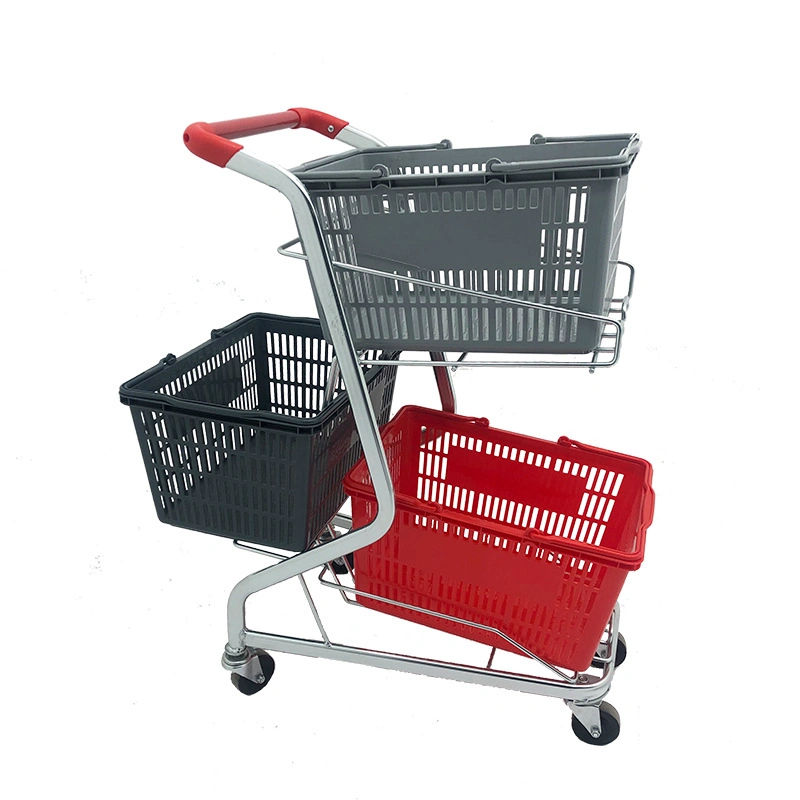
(467, 495)
(236, 440)
(549, 236)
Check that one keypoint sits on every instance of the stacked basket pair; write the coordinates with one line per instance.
(527, 540)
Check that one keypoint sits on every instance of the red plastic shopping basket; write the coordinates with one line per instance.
(532, 538)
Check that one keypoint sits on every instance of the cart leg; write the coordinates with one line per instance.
(333, 380)
(327, 296)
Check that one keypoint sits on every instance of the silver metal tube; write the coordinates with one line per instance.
(444, 383)
(615, 334)
(592, 689)
(443, 287)
(630, 280)
(314, 611)
(329, 567)
(343, 521)
(321, 275)
(467, 623)
(358, 138)
(467, 364)
(343, 590)
(333, 379)
(262, 551)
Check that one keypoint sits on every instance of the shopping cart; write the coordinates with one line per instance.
(509, 253)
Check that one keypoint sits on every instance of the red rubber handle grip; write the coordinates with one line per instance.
(211, 141)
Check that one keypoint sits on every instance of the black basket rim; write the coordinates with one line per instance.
(138, 398)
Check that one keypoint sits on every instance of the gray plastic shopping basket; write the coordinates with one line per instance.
(539, 222)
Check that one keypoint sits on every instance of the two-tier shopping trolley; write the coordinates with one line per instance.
(504, 256)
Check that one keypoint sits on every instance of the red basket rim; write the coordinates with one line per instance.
(356, 485)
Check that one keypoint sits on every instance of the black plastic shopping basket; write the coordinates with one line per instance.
(237, 438)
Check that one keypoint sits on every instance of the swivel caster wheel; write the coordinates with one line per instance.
(248, 687)
(621, 654)
(340, 568)
(609, 724)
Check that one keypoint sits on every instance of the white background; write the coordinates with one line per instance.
(119, 246)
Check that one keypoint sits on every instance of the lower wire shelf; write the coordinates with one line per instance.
(593, 720)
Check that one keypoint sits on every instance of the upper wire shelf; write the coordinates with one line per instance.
(605, 354)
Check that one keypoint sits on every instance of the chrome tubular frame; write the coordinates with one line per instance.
(582, 692)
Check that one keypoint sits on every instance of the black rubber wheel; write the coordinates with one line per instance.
(621, 655)
(248, 687)
(340, 568)
(609, 722)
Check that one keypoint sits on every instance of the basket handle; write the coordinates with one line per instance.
(623, 157)
(211, 141)
(648, 507)
(649, 500)
(565, 441)
(589, 552)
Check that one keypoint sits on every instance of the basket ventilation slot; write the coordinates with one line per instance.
(587, 524)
